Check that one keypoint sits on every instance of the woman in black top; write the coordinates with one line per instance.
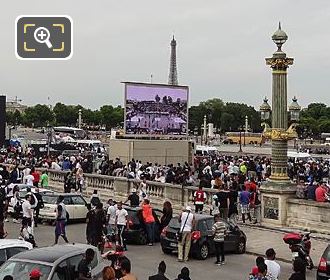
(167, 215)
(233, 195)
(223, 198)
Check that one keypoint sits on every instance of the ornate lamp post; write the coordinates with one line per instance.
(274, 194)
(279, 133)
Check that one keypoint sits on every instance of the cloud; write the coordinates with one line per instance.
(221, 49)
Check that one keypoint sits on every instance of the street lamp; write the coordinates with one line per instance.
(49, 136)
(240, 139)
(280, 134)
(294, 110)
(265, 110)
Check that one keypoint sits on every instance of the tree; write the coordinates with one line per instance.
(38, 115)
(66, 114)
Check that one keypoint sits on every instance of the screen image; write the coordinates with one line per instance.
(156, 109)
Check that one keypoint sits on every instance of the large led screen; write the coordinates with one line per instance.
(153, 109)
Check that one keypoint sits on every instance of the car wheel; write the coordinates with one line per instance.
(241, 246)
(142, 238)
(166, 251)
(203, 252)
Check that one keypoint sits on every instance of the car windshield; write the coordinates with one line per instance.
(49, 199)
(22, 269)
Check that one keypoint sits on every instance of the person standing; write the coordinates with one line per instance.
(44, 179)
(60, 222)
(273, 268)
(40, 205)
(219, 232)
(187, 221)
(98, 228)
(133, 198)
(199, 199)
(149, 221)
(121, 223)
(36, 177)
(244, 199)
(161, 272)
(143, 189)
(167, 215)
(16, 202)
(224, 203)
(89, 223)
(27, 211)
(233, 197)
(95, 200)
(111, 219)
(28, 179)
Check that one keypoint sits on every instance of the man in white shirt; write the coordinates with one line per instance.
(273, 268)
(27, 211)
(111, 218)
(187, 220)
(121, 222)
(28, 179)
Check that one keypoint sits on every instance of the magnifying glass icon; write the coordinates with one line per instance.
(41, 35)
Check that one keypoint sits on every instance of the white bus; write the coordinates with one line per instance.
(76, 133)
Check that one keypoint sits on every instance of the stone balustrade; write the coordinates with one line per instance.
(309, 215)
(119, 188)
(301, 214)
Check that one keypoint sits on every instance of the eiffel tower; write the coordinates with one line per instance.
(173, 75)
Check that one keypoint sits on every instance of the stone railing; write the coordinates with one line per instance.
(309, 215)
(119, 188)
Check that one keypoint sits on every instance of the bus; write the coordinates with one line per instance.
(76, 133)
(246, 137)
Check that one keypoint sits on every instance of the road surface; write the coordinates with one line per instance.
(145, 259)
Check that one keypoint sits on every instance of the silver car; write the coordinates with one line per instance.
(55, 263)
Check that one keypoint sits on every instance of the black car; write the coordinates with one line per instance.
(202, 244)
(323, 270)
(137, 233)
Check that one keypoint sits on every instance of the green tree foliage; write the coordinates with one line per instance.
(314, 120)
(38, 115)
(225, 116)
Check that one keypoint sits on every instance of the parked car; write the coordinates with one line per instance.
(202, 244)
(11, 247)
(136, 233)
(323, 270)
(75, 204)
(54, 262)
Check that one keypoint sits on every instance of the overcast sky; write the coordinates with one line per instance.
(221, 46)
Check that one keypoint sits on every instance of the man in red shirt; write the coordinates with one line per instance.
(199, 199)
(320, 193)
(36, 176)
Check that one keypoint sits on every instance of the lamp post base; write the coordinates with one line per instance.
(274, 196)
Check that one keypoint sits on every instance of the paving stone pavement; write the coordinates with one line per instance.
(260, 239)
